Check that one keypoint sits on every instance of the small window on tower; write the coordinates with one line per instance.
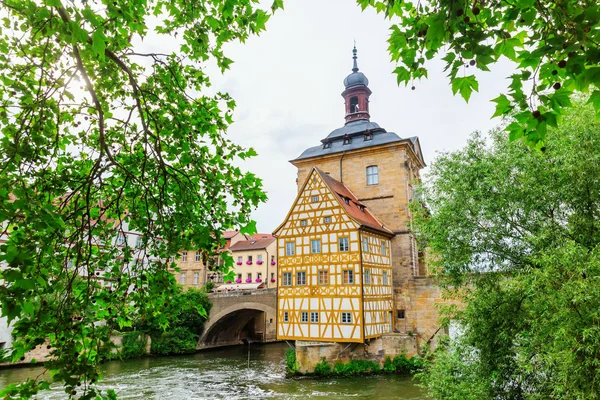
(354, 104)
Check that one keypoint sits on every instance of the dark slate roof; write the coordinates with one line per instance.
(352, 127)
(356, 78)
(358, 142)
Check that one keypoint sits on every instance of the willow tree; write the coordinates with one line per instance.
(98, 137)
(516, 235)
(554, 46)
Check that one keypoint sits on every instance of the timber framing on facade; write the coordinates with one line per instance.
(335, 267)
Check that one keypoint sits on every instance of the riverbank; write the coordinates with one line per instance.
(225, 373)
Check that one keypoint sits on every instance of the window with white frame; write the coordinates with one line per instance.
(343, 244)
(259, 258)
(315, 246)
(196, 277)
(365, 244)
(259, 275)
(172, 259)
(182, 278)
(184, 256)
(249, 258)
(286, 279)
(138, 241)
(239, 259)
(239, 276)
(121, 239)
(290, 248)
(197, 256)
(372, 175)
(304, 316)
(346, 318)
(348, 276)
(301, 278)
(385, 278)
(249, 275)
(286, 316)
(323, 277)
(272, 275)
(383, 248)
(314, 317)
(367, 277)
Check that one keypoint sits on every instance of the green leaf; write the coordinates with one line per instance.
(99, 43)
(503, 106)
(465, 86)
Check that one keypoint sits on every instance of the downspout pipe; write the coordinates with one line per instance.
(341, 169)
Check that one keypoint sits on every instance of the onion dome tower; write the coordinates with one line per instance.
(357, 93)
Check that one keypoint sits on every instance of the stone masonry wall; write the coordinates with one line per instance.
(309, 354)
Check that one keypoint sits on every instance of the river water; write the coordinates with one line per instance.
(224, 374)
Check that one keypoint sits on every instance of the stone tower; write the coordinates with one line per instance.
(380, 168)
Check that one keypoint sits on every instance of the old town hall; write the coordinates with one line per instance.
(349, 266)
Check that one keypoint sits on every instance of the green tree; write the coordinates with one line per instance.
(99, 139)
(554, 45)
(514, 233)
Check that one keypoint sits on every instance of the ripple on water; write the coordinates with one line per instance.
(224, 375)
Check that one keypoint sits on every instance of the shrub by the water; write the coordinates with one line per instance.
(133, 345)
(356, 367)
(403, 365)
(323, 368)
(178, 340)
(290, 361)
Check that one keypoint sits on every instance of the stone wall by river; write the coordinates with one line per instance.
(224, 374)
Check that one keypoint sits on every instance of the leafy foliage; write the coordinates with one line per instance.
(454, 374)
(178, 340)
(290, 361)
(514, 233)
(99, 138)
(322, 368)
(355, 367)
(133, 345)
(554, 46)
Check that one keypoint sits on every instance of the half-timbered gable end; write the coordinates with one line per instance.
(335, 279)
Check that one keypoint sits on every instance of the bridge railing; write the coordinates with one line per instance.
(234, 293)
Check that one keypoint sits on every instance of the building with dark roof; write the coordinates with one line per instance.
(352, 219)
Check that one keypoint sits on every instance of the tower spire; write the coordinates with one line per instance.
(355, 66)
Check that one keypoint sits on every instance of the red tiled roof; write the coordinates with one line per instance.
(229, 234)
(258, 236)
(243, 245)
(353, 208)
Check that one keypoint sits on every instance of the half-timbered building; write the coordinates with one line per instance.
(335, 276)
(350, 267)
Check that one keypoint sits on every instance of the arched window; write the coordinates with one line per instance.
(372, 175)
(354, 104)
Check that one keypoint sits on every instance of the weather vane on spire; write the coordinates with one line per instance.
(355, 66)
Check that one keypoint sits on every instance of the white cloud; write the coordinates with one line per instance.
(287, 85)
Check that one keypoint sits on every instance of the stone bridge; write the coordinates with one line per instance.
(240, 316)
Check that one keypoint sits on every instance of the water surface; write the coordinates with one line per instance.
(226, 374)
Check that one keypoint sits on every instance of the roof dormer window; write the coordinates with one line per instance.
(368, 136)
(347, 140)
(327, 145)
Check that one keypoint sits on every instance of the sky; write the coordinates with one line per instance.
(287, 84)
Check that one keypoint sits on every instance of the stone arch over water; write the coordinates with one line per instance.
(236, 323)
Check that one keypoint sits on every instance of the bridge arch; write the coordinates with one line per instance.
(234, 323)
